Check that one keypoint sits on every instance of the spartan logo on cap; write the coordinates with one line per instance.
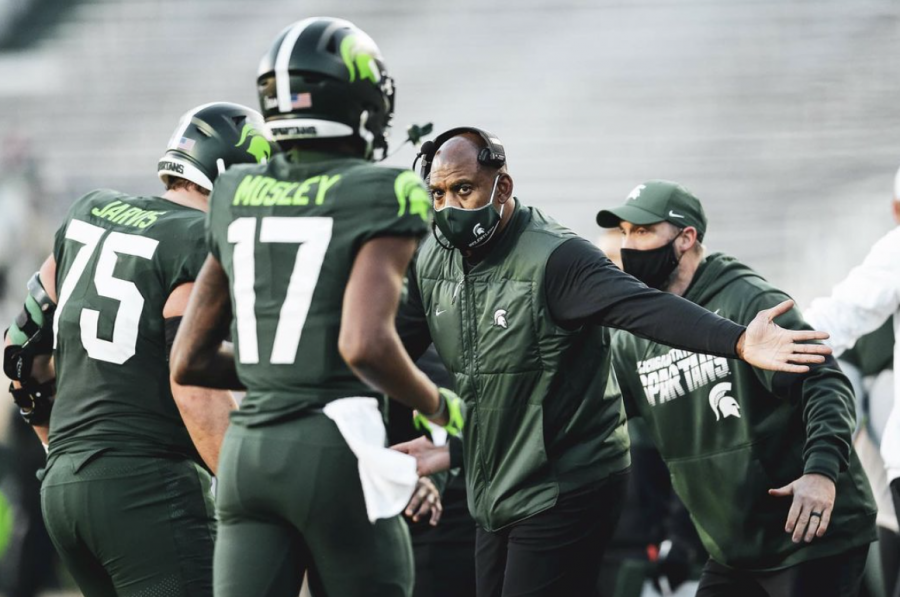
(723, 405)
(634, 194)
(500, 318)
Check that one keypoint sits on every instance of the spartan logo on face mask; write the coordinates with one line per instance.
(500, 318)
(456, 223)
(723, 405)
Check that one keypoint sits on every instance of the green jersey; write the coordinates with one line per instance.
(287, 235)
(118, 258)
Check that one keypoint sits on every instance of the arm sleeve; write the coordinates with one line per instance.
(398, 203)
(412, 326)
(171, 328)
(584, 287)
(864, 299)
(189, 254)
(824, 394)
(213, 217)
(59, 240)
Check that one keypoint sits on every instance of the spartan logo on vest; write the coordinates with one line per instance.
(721, 403)
(677, 372)
(500, 318)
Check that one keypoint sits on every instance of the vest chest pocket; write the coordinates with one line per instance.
(506, 326)
(444, 313)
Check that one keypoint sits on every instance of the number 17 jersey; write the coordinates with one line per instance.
(287, 234)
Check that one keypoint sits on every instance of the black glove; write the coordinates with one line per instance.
(35, 401)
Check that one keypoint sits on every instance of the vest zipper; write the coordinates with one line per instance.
(456, 290)
(473, 333)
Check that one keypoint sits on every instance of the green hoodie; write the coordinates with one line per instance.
(730, 432)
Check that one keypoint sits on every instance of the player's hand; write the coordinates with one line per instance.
(768, 346)
(425, 500)
(430, 459)
(811, 509)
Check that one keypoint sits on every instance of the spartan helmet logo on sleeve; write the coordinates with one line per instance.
(723, 405)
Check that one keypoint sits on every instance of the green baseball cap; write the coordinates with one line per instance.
(657, 201)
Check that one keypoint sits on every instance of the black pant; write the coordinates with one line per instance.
(555, 553)
(445, 554)
(835, 576)
(889, 550)
(895, 495)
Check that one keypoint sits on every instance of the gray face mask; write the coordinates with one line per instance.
(468, 229)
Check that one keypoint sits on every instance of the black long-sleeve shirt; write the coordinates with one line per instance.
(583, 287)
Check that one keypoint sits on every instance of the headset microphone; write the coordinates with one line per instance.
(414, 134)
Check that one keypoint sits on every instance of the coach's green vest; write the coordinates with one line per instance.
(539, 418)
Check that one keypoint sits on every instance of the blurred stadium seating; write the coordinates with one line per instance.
(777, 114)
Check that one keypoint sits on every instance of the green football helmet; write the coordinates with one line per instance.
(325, 78)
(212, 137)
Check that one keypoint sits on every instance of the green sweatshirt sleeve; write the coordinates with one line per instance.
(824, 394)
(621, 373)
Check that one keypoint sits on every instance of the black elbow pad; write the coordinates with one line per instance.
(31, 333)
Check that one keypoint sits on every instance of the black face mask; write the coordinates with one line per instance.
(652, 267)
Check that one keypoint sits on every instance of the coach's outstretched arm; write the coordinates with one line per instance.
(584, 288)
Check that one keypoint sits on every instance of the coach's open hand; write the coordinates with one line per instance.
(811, 510)
(768, 346)
(430, 459)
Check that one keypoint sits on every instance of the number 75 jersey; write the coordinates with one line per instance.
(287, 235)
(118, 257)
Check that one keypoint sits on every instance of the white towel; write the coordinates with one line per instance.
(388, 477)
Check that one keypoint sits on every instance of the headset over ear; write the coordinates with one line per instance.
(492, 155)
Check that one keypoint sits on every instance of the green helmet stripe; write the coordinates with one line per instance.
(283, 61)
